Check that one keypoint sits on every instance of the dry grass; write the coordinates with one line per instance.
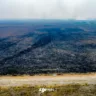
(58, 74)
(59, 79)
(43, 81)
(64, 90)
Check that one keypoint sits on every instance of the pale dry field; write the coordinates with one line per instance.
(48, 79)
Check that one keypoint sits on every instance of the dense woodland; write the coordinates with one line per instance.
(47, 46)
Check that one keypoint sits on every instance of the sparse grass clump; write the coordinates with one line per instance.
(63, 90)
(19, 91)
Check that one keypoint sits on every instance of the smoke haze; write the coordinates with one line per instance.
(47, 9)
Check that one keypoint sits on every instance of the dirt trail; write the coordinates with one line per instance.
(47, 80)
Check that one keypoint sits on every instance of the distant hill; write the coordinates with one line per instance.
(47, 46)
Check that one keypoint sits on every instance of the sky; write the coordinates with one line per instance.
(48, 9)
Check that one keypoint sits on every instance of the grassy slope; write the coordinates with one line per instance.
(64, 90)
(78, 89)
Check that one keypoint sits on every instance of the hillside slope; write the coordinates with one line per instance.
(47, 46)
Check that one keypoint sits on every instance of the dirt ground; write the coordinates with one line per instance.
(48, 79)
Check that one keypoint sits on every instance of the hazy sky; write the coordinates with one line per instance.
(47, 9)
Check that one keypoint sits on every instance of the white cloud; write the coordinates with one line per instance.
(55, 9)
